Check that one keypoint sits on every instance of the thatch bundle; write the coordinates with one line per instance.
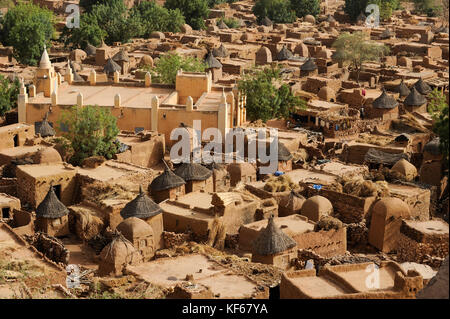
(216, 237)
(358, 186)
(328, 223)
(281, 183)
(87, 226)
(98, 191)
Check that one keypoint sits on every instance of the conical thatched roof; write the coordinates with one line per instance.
(111, 67)
(221, 25)
(122, 55)
(46, 130)
(220, 52)
(77, 77)
(283, 153)
(433, 147)
(415, 98)
(402, 89)
(51, 207)
(166, 180)
(384, 101)
(212, 62)
(141, 207)
(422, 87)
(193, 172)
(267, 22)
(90, 50)
(272, 240)
(331, 18)
(284, 54)
(309, 65)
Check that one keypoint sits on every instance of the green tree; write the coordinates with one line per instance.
(195, 11)
(355, 50)
(230, 22)
(354, 7)
(279, 11)
(166, 68)
(441, 128)
(305, 7)
(266, 99)
(27, 28)
(156, 18)
(431, 8)
(87, 5)
(92, 131)
(8, 94)
(110, 22)
(437, 103)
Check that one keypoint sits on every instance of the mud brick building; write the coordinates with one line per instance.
(15, 135)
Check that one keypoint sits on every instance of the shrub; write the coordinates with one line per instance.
(305, 7)
(279, 11)
(166, 68)
(195, 11)
(8, 94)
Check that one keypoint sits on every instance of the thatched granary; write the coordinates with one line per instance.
(315, 207)
(291, 204)
(196, 176)
(116, 256)
(141, 207)
(402, 89)
(266, 22)
(422, 87)
(52, 215)
(273, 246)
(90, 50)
(146, 209)
(384, 101)
(167, 185)
(47, 155)
(284, 54)
(111, 67)
(45, 129)
(220, 52)
(415, 100)
(140, 234)
(214, 66)
(386, 34)
(308, 68)
(387, 215)
(432, 149)
(263, 56)
(408, 170)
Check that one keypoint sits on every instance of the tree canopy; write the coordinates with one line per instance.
(92, 131)
(267, 98)
(27, 28)
(166, 68)
(305, 7)
(355, 7)
(9, 90)
(355, 49)
(279, 11)
(195, 11)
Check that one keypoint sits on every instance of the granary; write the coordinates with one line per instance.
(290, 204)
(402, 89)
(44, 129)
(144, 208)
(140, 234)
(423, 241)
(116, 256)
(284, 158)
(273, 246)
(405, 168)
(102, 54)
(123, 60)
(204, 214)
(309, 68)
(167, 185)
(387, 215)
(15, 135)
(284, 54)
(111, 67)
(422, 87)
(326, 243)
(90, 50)
(349, 281)
(415, 102)
(241, 172)
(220, 52)
(52, 216)
(139, 104)
(196, 176)
(315, 207)
(214, 66)
(47, 155)
(384, 107)
(263, 56)
(8, 204)
(34, 180)
(221, 177)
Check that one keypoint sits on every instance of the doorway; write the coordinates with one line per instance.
(6, 212)
(16, 140)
